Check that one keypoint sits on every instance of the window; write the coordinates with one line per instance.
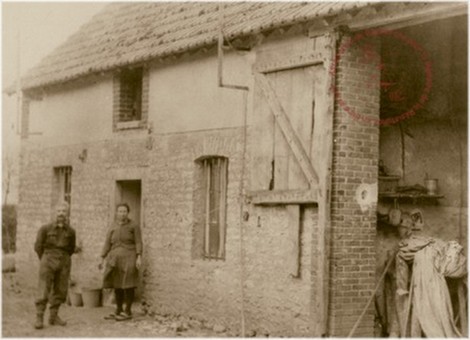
(211, 202)
(131, 98)
(63, 176)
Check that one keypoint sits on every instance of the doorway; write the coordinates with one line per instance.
(129, 191)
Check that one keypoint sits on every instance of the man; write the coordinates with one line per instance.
(55, 244)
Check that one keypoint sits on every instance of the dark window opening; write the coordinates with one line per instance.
(214, 189)
(130, 96)
(63, 176)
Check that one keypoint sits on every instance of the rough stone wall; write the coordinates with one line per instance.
(174, 281)
(92, 190)
(355, 160)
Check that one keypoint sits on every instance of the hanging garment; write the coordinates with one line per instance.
(431, 298)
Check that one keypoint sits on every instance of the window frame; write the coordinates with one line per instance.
(126, 96)
(219, 194)
(63, 182)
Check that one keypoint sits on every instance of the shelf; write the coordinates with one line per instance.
(407, 195)
(413, 197)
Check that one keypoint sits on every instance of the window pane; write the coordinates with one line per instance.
(63, 184)
(214, 207)
(207, 180)
(222, 207)
(215, 204)
(131, 95)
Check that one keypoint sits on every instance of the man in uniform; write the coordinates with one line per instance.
(55, 244)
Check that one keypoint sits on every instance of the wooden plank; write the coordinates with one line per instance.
(294, 61)
(299, 110)
(287, 130)
(222, 207)
(281, 163)
(322, 152)
(207, 202)
(275, 197)
(414, 15)
(282, 85)
(293, 232)
(263, 139)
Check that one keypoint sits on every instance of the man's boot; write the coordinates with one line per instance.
(39, 324)
(54, 318)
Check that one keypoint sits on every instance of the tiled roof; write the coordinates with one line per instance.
(126, 33)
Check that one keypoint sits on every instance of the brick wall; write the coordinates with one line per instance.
(355, 160)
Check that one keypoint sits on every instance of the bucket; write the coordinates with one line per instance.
(76, 299)
(431, 186)
(91, 297)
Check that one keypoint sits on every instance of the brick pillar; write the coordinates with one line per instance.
(355, 162)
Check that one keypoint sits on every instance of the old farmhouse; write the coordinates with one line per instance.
(260, 146)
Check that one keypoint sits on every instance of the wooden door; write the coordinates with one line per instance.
(275, 166)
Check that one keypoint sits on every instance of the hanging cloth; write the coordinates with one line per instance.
(431, 299)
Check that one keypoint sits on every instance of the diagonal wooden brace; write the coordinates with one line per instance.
(291, 137)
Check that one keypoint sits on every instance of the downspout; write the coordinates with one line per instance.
(245, 89)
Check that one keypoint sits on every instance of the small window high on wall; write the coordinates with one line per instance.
(63, 184)
(130, 98)
(210, 208)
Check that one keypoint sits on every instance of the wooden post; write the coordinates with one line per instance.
(323, 152)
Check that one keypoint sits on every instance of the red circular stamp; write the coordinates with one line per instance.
(401, 70)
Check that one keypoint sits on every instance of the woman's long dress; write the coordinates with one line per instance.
(123, 244)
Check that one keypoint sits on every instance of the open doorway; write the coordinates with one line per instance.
(423, 175)
(129, 191)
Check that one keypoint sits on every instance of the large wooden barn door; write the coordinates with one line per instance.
(284, 155)
(292, 149)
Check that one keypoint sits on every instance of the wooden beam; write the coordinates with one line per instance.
(323, 152)
(287, 130)
(277, 197)
(291, 62)
(409, 17)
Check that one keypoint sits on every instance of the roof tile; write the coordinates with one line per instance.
(124, 33)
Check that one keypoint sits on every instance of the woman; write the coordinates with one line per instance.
(122, 250)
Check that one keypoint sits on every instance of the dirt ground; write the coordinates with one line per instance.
(18, 316)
